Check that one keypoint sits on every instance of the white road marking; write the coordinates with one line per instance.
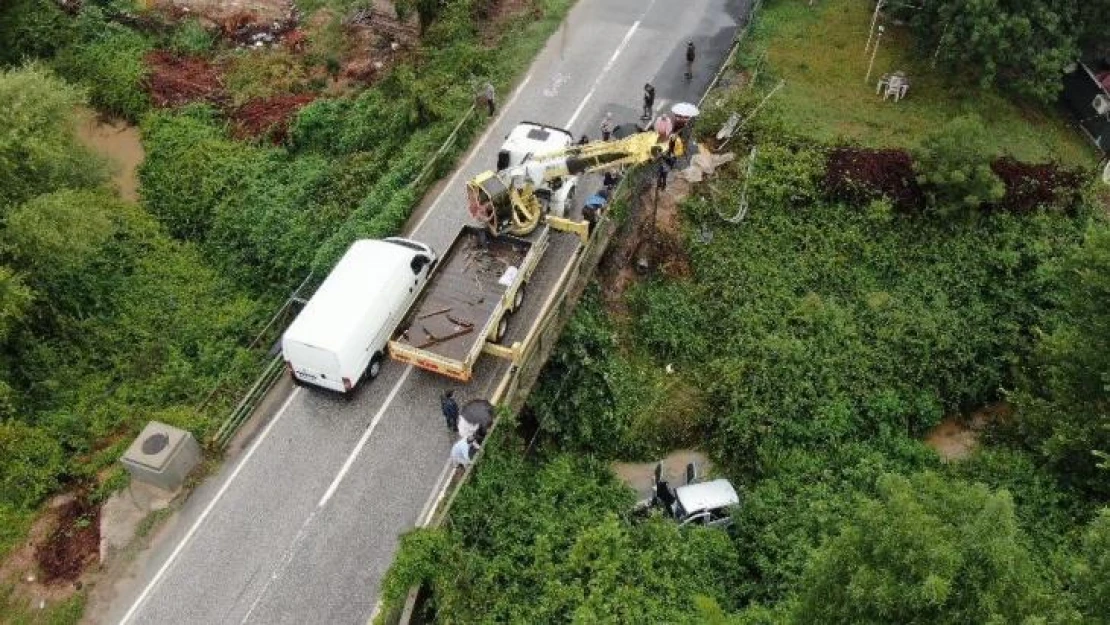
(604, 70)
(285, 560)
(473, 152)
(436, 495)
(207, 510)
(365, 437)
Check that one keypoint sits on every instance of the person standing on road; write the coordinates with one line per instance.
(649, 101)
(463, 451)
(450, 409)
(490, 97)
(607, 127)
(690, 55)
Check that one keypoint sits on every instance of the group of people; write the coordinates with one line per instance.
(470, 435)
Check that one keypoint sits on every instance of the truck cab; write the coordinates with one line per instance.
(530, 138)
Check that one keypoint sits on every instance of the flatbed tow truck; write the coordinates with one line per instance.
(481, 280)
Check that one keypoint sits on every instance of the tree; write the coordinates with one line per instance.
(39, 152)
(928, 550)
(1019, 45)
(1065, 398)
(15, 301)
(59, 231)
(1091, 571)
(953, 165)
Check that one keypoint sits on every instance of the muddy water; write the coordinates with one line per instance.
(120, 143)
(957, 436)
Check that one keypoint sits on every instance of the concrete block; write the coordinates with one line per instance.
(162, 456)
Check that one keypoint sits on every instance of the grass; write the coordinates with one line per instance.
(18, 611)
(819, 51)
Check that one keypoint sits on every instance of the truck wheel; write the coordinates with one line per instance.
(502, 328)
(374, 368)
(518, 298)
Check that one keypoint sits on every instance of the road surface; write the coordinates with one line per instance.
(302, 526)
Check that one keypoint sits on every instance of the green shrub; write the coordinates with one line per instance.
(108, 59)
(191, 38)
(30, 464)
(953, 166)
(38, 143)
(32, 29)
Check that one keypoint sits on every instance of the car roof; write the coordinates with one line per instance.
(529, 137)
(707, 496)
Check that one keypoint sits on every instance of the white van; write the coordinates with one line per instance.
(340, 337)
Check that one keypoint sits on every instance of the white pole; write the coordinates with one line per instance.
(871, 63)
(871, 30)
(940, 42)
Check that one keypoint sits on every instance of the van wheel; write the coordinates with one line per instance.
(518, 298)
(502, 328)
(374, 368)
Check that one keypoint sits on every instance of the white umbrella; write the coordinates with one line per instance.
(685, 109)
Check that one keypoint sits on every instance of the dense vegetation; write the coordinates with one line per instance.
(113, 314)
(106, 320)
(867, 295)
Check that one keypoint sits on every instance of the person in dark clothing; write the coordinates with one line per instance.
(490, 97)
(609, 180)
(607, 127)
(589, 213)
(690, 54)
(450, 410)
(583, 140)
(649, 101)
(661, 176)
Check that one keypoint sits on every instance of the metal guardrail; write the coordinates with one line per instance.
(271, 370)
(516, 386)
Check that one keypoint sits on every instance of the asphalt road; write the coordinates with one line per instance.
(302, 526)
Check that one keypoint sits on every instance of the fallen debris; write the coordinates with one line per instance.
(178, 80)
(269, 116)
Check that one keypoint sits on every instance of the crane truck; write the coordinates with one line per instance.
(481, 280)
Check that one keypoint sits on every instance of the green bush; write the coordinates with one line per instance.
(38, 144)
(108, 59)
(191, 38)
(953, 166)
(30, 463)
(32, 29)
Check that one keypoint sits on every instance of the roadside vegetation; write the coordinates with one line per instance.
(271, 141)
(886, 278)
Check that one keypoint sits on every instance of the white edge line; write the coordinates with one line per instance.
(604, 71)
(435, 496)
(365, 437)
(207, 510)
(473, 153)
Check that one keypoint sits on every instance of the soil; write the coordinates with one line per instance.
(121, 144)
(61, 546)
(73, 544)
(230, 15)
(618, 269)
(957, 436)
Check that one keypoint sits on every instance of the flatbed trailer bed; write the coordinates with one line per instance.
(466, 303)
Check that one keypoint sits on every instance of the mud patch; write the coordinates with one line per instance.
(640, 476)
(121, 144)
(957, 436)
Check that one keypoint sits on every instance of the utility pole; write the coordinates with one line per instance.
(940, 42)
(871, 30)
(871, 63)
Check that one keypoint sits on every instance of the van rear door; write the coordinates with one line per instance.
(313, 365)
